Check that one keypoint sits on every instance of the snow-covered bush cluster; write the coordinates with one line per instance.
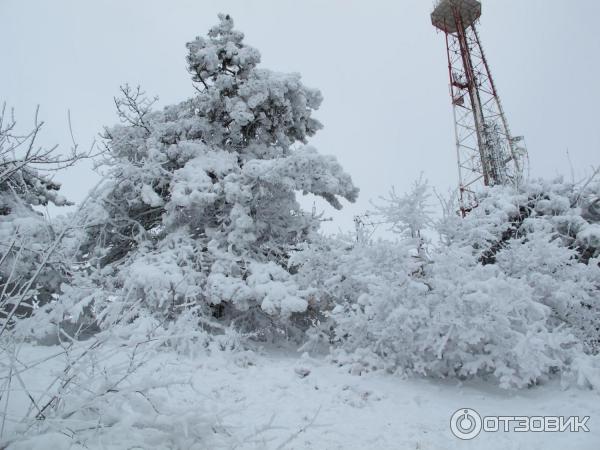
(512, 291)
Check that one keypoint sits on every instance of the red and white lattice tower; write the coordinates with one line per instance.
(487, 153)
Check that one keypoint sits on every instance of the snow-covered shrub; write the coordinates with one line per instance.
(198, 210)
(478, 321)
(509, 292)
(409, 214)
(461, 319)
(543, 235)
(125, 385)
(341, 273)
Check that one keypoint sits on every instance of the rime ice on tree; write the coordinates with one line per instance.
(199, 212)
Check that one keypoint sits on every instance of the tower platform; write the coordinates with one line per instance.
(443, 18)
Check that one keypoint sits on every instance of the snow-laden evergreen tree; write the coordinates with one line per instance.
(199, 209)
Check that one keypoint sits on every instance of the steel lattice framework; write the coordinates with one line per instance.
(487, 152)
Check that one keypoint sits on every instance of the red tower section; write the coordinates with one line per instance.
(487, 153)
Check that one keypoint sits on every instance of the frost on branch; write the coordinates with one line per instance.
(30, 267)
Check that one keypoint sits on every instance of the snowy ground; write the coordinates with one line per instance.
(277, 399)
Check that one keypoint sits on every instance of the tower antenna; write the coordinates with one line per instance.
(487, 152)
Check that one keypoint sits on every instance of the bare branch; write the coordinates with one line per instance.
(134, 107)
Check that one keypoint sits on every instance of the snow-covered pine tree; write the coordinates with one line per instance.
(199, 209)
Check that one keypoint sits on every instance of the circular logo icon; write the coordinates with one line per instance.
(465, 423)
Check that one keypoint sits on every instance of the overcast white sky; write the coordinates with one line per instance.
(380, 65)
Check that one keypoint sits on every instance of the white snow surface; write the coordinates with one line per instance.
(278, 399)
